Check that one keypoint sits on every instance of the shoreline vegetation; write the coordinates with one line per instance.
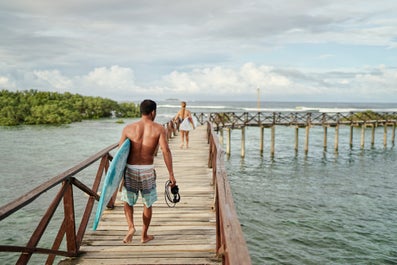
(32, 107)
(370, 115)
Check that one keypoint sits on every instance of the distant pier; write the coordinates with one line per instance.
(225, 122)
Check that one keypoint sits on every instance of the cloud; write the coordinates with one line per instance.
(54, 79)
(291, 49)
(378, 81)
(115, 78)
(114, 81)
(223, 81)
(5, 82)
(227, 83)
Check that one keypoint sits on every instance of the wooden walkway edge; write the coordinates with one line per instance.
(185, 234)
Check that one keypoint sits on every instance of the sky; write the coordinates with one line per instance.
(284, 50)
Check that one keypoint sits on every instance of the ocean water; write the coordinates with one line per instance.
(320, 208)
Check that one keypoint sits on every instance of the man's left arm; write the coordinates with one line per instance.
(167, 155)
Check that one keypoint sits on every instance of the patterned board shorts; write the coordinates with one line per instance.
(139, 178)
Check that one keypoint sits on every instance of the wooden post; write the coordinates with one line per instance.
(351, 136)
(385, 135)
(325, 137)
(307, 139)
(70, 226)
(221, 137)
(262, 140)
(373, 135)
(228, 130)
(362, 135)
(393, 134)
(336, 144)
(243, 141)
(296, 139)
(273, 138)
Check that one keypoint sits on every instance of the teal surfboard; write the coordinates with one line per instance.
(112, 179)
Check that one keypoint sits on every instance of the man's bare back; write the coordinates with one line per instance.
(144, 136)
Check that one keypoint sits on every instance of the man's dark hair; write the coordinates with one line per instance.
(147, 106)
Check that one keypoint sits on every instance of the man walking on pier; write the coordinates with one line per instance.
(140, 176)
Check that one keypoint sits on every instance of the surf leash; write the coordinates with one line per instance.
(171, 195)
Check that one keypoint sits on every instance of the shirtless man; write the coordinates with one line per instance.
(140, 176)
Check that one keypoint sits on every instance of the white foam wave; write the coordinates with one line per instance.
(193, 106)
(317, 109)
(344, 110)
(168, 106)
(208, 107)
(285, 108)
(269, 109)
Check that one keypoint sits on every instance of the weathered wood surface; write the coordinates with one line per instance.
(185, 234)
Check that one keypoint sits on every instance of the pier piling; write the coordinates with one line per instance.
(262, 138)
(243, 141)
(228, 121)
(228, 140)
(273, 141)
(336, 144)
(362, 136)
(307, 140)
(351, 137)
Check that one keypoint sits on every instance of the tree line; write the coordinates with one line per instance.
(39, 107)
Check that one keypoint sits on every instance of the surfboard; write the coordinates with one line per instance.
(194, 121)
(112, 179)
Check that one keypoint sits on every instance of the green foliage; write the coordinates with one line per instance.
(369, 115)
(37, 107)
(126, 110)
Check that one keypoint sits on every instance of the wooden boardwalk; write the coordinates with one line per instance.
(185, 234)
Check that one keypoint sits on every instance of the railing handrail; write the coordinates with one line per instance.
(29, 197)
(68, 225)
(230, 244)
(267, 118)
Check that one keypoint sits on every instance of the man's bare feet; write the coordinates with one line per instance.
(147, 239)
(129, 236)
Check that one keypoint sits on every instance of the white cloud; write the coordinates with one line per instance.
(223, 81)
(6, 83)
(115, 78)
(378, 81)
(54, 79)
(116, 82)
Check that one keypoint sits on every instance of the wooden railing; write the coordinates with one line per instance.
(230, 242)
(299, 119)
(65, 182)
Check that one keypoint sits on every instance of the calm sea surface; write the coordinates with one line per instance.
(319, 208)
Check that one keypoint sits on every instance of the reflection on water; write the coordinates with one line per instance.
(320, 208)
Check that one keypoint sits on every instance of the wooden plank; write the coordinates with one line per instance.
(185, 234)
(166, 258)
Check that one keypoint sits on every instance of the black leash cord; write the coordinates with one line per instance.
(171, 200)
